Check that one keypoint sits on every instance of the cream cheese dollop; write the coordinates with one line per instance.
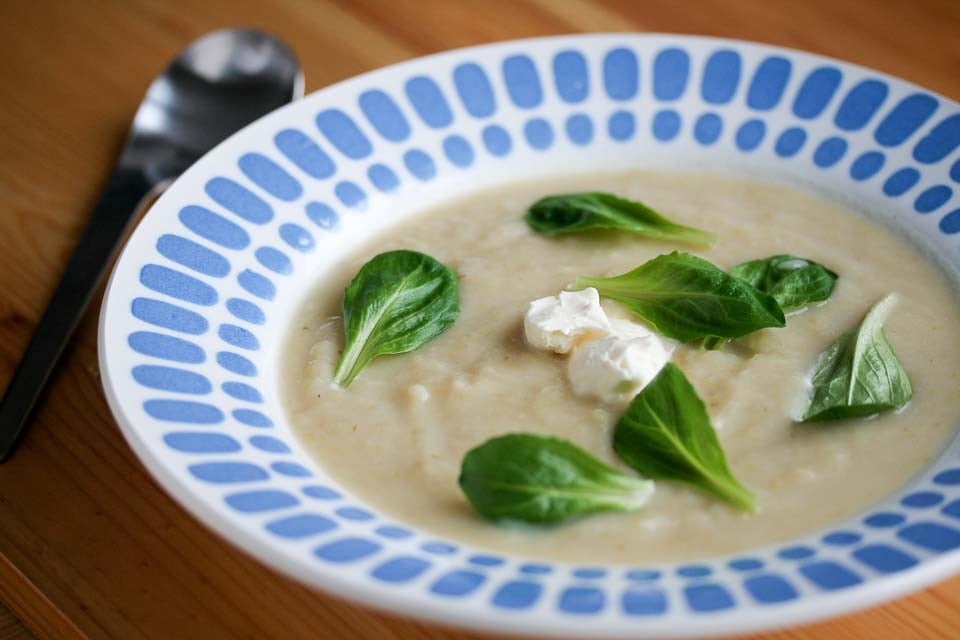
(559, 323)
(609, 359)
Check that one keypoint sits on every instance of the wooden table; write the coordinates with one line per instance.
(89, 545)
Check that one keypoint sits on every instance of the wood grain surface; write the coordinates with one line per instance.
(89, 545)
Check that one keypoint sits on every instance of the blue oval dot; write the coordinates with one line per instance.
(948, 478)
(570, 75)
(721, 75)
(228, 472)
(251, 418)
(297, 237)
(796, 553)
(383, 178)
(904, 119)
(458, 151)
(940, 142)
(666, 125)
(745, 564)
(393, 533)
(769, 589)
(955, 171)
(950, 223)
(428, 101)
(214, 227)
(694, 571)
(242, 391)
(236, 363)
(354, 513)
(708, 597)
(158, 345)
(486, 561)
(201, 442)
(419, 164)
(671, 68)
(344, 134)
(275, 260)
(644, 602)
(830, 576)
(539, 133)
(347, 550)
(193, 256)
(183, 411)
(579, 129)
(884, 558)
(842, 538)
(532, 569)
(291, 469)
(523, 83)
(829, 152)
(768, 83)
(816, 92)
(901, 181)
(301, 526)
(883, 520)
(457, 583)
(439, 548)
(177, 285)
(239, 200)
(750, 134)
(474, 90)
(867, 165)
(238, 337)
(269, 444)
(922, 499)
(643, 575)
(384, 114)
(321, 493)
(305, 153)
(932, 199)
(860, 105)
(169, 316)
(270, 177)
(496, 140)
(589, 573)
(256, 284)
(260, 501)
(322, 215)
(517, 594)
(351, 195)
(621, 126)
(707, 128)
(171, 379)
(246, 311)
(581, 600)
(400, 569)
(931, 536)
(621, 74)
(790, 142)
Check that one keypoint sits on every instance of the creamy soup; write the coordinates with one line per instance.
(397, 436)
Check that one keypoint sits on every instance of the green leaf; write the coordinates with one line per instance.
(793, 282)
(859, 374)
(666, 435)
(542, 480)
(574, 212)
(686, 298)
(397, 302)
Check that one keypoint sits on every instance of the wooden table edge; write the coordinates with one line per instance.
(35, 610)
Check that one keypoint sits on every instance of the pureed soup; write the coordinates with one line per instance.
(397, 435)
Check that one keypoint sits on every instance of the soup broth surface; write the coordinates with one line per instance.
(397, 435)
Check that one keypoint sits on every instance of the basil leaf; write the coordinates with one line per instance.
(574, 212)
(542, 480)
(398, 301)
(859, 374)
(666, 434)
(686, 298)
(793, 282)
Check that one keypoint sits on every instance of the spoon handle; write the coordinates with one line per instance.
(83, 273)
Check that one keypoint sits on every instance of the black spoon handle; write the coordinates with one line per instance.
(111, 216)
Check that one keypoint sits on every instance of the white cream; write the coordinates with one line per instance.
(559, 323)
(615, 368)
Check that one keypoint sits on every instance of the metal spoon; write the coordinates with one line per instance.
(221, 82)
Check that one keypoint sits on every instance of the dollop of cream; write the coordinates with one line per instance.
(559, 323)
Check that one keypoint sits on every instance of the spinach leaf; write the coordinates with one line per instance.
(686, 298)
(542, 480)
(398, 301)
(859, 374)
(793, 282)
(666, 434)
(573, 212)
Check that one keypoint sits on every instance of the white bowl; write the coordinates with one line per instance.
(198, 303)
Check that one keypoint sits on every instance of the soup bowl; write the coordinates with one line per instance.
(199, 302)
